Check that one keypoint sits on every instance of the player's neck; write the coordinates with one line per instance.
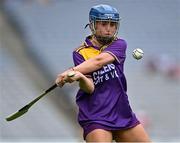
(95, 42)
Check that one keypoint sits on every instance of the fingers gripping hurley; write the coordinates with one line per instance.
(24, 109)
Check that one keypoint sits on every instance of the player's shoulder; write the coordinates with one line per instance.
(81, 47)
(84, 45)
(120, 42)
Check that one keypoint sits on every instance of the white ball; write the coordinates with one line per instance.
(138, 53)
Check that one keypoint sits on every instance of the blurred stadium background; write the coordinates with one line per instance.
(37, 38)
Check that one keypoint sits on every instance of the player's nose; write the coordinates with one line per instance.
(108, 27)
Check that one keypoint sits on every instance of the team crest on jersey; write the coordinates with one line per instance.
(105, 73)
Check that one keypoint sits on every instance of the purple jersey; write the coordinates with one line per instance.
(108, 105)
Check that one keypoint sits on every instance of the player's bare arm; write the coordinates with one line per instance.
(86, 84)
(88, 66)
(95, 63)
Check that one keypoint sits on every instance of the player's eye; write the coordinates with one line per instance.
(104, 23)
(112, 24)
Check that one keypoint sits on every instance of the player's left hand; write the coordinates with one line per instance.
(73, 76)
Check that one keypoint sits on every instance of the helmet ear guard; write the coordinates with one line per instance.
(92, 27)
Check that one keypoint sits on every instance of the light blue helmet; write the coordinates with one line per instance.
(103, 12)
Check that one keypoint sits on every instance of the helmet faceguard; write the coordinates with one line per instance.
(103, 13)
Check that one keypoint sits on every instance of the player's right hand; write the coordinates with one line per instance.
(60, 80)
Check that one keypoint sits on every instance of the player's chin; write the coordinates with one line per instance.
(104, 39)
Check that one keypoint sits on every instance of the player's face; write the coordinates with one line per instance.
(106, 28)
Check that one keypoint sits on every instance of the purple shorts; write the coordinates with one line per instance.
(90, 127)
